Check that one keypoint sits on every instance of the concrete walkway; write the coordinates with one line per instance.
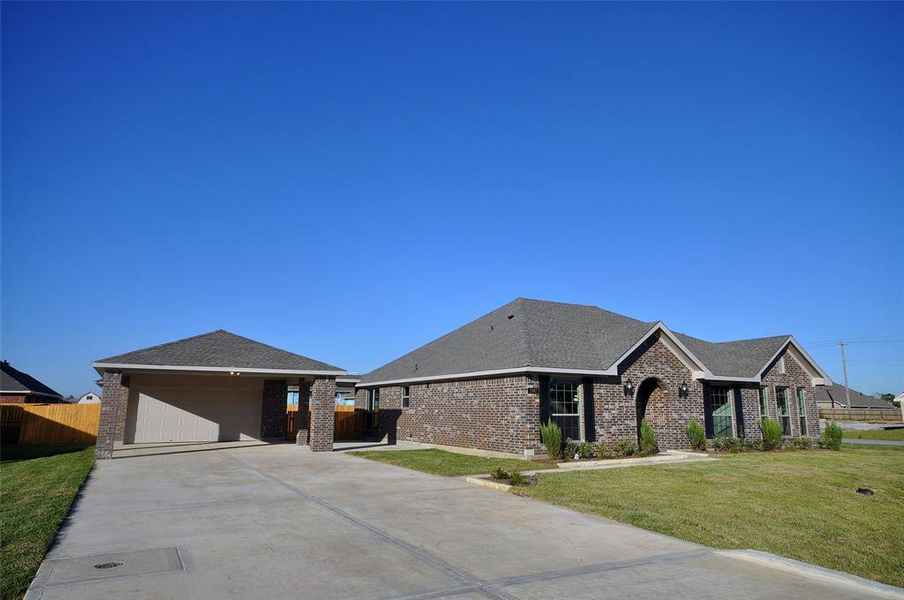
(873, 442)
(274, 522)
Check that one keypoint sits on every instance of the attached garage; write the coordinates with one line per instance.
(215, 387)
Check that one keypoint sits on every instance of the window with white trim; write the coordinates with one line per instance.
(719, 409)
(406, 396)
(373, 399)
(564, 407)
(764, 404)
(802, 410)
(784, 414)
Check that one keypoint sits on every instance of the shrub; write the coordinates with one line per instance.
(801, 443)
(647, 439)
(624, 448)
(585, 450)
(727, 444)
(518, 479)
(831, 436)
(499, 474)
(772, 434)
(751, 444)
(696, 435)
(552, 439)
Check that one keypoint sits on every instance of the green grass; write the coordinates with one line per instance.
(875, 434)
(802, 505)
(37, 485)
(450, 464)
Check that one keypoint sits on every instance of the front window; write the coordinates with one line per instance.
(719, 410)
(764, 404)
(784, 416)
(373, 400)
(564, 400)
(406, 396)
(802, 409)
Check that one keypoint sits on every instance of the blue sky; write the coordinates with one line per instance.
(349, 181)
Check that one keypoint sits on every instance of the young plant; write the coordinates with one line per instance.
(647, 439)
(831, 436)
(518, 479)
(696, 435)
(624, 448)
(500, 474)
(727, 444)
(552, 439)
(772, 434)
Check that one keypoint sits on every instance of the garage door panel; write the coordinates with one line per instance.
(185, 415)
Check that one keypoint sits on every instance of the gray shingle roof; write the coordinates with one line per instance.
(220, 349)
(542, 334)
(828, 394)
(741, 358)
(14, 380)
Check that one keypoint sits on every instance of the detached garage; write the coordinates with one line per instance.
(213, 387)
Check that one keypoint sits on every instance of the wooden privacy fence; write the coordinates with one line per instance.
(26, 424)
(348, 424)
(872, 415)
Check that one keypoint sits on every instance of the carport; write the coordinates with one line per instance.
(214, 387)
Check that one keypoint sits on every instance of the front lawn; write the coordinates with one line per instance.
(450, 464)
(802, 505)
(37, 485)
(875, 434)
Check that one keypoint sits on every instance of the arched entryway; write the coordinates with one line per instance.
(645, 391)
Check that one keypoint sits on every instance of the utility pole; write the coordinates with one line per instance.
(847, 390)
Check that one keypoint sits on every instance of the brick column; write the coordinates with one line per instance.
(113, 403)
(273, 408)
(323, 407)
(304, 405)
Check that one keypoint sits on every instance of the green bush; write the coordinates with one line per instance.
(624, 448)
(831, 436)
(749, 444)
(552, 439)
(772, 434)
(518, 479)
(801, 443)
(727, 444)
(500, 474)
(647, 439)
(579, 449)
(696, 435)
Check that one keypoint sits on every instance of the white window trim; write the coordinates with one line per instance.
(580, 407)
(403, 396)
(734, 421)
(778, 414)
(797, 391)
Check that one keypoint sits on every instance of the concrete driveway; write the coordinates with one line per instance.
(273, 522)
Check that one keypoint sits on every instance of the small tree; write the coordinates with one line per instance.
(772, 434)
(696, 435)
(647, 439)
(831, 436)
(552, 439)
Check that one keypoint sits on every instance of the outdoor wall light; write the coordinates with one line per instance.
(629, 388)
(683, 388)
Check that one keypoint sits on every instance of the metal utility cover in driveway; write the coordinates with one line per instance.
(79, 569)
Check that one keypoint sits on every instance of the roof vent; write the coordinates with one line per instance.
(510, 317)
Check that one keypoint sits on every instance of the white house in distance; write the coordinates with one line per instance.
(89, 398)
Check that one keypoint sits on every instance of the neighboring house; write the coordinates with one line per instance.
(217, 386)
(491, 383)
(19, 387)
(345, 389)
(89, 398)
(833, 396)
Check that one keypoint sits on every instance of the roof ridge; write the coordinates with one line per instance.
(163, 345)
(264, 344)
(593, 306)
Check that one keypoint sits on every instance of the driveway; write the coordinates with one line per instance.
(273, 522)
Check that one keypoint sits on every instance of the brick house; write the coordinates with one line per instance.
(17, 387)
(597, 374)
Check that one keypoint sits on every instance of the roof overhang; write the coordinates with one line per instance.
(30, 392)
(100, 367)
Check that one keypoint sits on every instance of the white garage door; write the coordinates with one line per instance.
(179, 415)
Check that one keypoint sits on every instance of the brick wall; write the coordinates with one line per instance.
(500, 414)
(323, 415)
(114, 398)
(795, 376)
(667, 411)
(13, 398)
(273, 408)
